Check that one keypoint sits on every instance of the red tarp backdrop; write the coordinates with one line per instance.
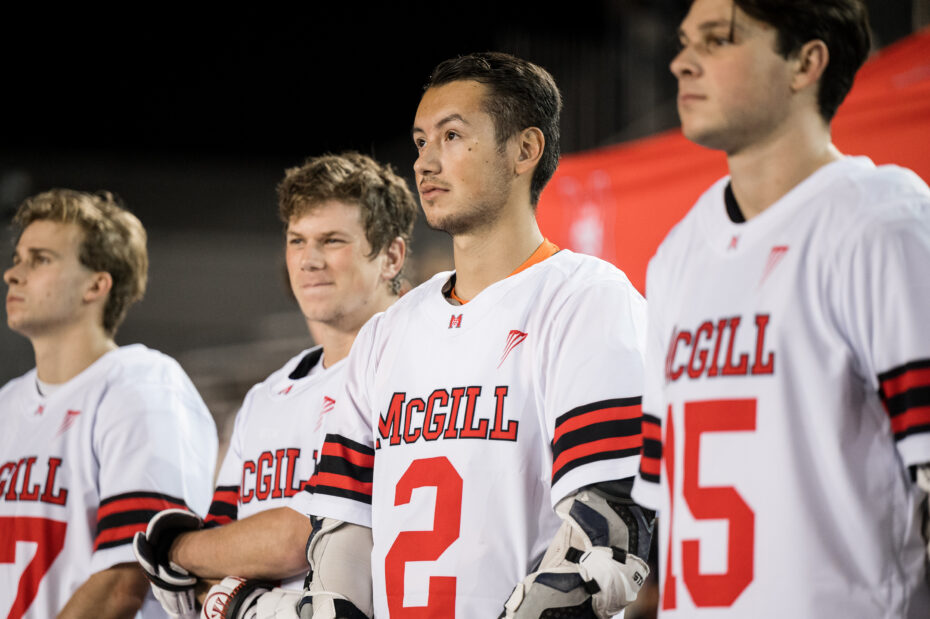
(618, 202)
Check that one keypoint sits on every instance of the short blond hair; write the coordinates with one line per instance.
(114, 242)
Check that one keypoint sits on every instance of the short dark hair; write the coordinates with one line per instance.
(114, 242)
(388, 209)
(522, 95)
(843, 25)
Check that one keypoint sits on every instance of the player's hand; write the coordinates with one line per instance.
(172, 585)
(238, 598)
(597, 583)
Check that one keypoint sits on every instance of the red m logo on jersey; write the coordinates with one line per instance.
(455, 321)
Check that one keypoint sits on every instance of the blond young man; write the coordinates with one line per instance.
(97, 438)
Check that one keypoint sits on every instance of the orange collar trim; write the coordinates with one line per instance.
(545, 250)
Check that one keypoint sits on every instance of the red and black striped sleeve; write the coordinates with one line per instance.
(905, 392)
(225, 506)
(650, 462)
(119, 517)
(605, 430)
(345, 469)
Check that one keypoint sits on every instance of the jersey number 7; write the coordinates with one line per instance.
(49, 538)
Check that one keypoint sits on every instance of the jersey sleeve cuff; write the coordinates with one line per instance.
(324, 506)
(593, 473)
(915, 449)
(646, 493)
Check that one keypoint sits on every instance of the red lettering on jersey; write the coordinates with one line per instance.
(248, 467)
(289, 489)
(721, 327)
(455, 322)
(696, 347)
(29, 494)
(48, 496)
(674, 374)
(468, 429)
(11, 493)
(729, 369)
(452, 424)
(390, 427)
(758, 367)
(414, 405)
(6, 472)
(279, 462)
(708, 329)
(263, 481)
(498, 432)
(433, 422)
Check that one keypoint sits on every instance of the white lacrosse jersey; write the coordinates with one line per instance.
(276, 438)
(86, 467)
(787, 393)
(462, 426)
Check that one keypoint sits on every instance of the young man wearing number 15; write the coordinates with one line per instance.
(786, 421)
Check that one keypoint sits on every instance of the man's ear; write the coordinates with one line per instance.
(811, 62)
(393, 258)
(99, 286)
(530, 146)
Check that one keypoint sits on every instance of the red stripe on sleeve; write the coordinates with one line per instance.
(218, 519)
(350, 455)
(918, 377)
(650, 466)
(597, 416)
(652, 430)
(133, 504)
(587, 449)
(919, 416)
(345, 482)
(118, 533)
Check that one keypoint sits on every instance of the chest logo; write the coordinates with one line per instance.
(734, 241)
(455, 322)
(778, 252)
(68, 421)
(328, 405)
(514, 339)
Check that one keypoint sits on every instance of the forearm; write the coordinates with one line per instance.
(270, 544)
(113, 593)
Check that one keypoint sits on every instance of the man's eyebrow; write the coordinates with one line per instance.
(444, 121)
(711, 25)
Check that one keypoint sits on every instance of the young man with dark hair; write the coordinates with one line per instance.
(490, 428)
(786, 427)
(348, 224)
(96, 439)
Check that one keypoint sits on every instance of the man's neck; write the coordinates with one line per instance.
(489, 255)
(764, 172)
(336, 338)
(62, 355)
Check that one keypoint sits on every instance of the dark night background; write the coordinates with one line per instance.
(191, 116)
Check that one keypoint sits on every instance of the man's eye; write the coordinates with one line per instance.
(419, 143)
(451, 135)
(295, 241)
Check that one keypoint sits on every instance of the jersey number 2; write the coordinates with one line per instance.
(426, 545)
(710, 503)
(49, 537)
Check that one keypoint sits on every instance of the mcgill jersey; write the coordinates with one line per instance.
(86, 467)
(275, 440)
(462, 426)
(787, 395)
